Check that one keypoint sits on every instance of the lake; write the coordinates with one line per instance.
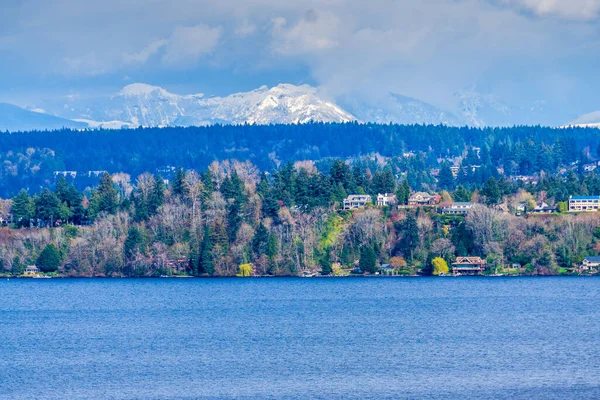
(349, 338)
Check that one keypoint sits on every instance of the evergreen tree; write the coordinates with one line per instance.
(206, 265)
(491, 191)
(272, 246)
(179, 188)
(132, 243)
(368, 260)
(260, 241)
(47, 207)
(22, 209)
(18, 268)
(326, 268)
(445, 177)
(410, 237)
(157, 196)
(49, 259)
(461, 194)
(234, 221)
(105, 197)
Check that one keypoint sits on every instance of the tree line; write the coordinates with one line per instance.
(232, 218)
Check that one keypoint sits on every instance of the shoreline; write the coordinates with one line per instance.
(8, 277)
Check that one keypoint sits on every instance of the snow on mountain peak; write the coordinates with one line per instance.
(141, 89)
(140, 104)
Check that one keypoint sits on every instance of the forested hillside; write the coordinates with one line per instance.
(268, 200)
(30, 160)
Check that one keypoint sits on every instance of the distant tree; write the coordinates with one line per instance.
(410, 236)
(49, 259)
(260, 241)
(18, 268)
(398, 262)
(132, 243)
(22, 209)
(157, 196)
(105, 197)
(368, 260)
(445, 177)
(179, 188)
(491, 192)
(244, 270)
(326, 267)
(461, 194)
(439, 266)
(47, 207)
(206, 265)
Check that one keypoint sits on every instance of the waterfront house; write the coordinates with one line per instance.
(459, 208)
(356, 201)
(386, 199)
(32, 270)
(423, 199)
(468, 266)
(584, 203)
(590, 263)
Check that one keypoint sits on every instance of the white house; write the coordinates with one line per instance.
(355, 201)
(460, 208)
(590, 263)
(32, 270)
(386, 199)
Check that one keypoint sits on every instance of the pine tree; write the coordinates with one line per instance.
(260, 241)
(47, 207)
(445, 177)
(368, 260)
(157, 196)
(18, 268)
(491, 191)
(206, 265)
(49, 259)
(105, 197)
(410, 237)
(22, 209)
(326, 267)
(132, 243)
(179, 188)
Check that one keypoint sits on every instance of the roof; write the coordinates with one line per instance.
(422, 194)
(358, 197)
(584, 198)
(468, 260)
(593, 259)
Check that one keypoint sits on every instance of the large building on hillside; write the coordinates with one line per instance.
(423, 199)
(584, 203)
(386, 199)
(459, 208)
(356, 201)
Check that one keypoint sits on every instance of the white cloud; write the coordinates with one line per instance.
(188, 44)
(570, 9)
(143, 55)
(315, 32)
(246, 28)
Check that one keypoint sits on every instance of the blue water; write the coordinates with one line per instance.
(447, 338)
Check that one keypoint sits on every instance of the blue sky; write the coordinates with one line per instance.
(522, 50)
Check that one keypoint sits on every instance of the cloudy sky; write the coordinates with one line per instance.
(519, 50)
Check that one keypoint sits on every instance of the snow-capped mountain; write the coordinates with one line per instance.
(144, 105)
(398, 109)
(590, 120)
